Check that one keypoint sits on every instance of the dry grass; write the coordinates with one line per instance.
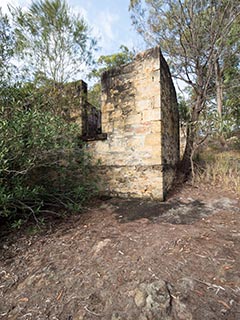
(219, 168)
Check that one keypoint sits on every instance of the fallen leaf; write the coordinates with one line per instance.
(23, 300)
(224, 304)
(200, 293)
(228, 267)
(60, 295)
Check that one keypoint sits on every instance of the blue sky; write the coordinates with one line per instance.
(110, 22)
(109, 19)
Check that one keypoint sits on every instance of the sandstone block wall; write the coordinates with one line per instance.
(140, 118)
(169, 126)
(79, 110)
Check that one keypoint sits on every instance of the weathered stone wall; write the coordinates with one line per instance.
(169, 126)
(132, 163)
(79, 110)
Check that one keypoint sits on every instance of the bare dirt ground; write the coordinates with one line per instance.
(129, 260)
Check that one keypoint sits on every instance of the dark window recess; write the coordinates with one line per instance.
(91, 121)
(91, 116)
(92, 124)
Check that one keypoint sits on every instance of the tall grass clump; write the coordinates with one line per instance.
(218, 167)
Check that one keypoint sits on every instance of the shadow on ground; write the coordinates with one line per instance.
(174, 212)
(128, 260)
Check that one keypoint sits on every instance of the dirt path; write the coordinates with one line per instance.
(129, 260)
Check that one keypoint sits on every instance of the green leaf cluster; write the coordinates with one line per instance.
(43, 165)
(42, 162)
(200, 40)
(106, 62)
(56, 42)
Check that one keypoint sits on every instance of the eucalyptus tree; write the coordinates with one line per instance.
(230, 70)
(7, 44)
(38, 147)
(195, 37)
(53, 40)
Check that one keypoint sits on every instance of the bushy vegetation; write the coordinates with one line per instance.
(201, 42)
(218, 165)
(42, 163)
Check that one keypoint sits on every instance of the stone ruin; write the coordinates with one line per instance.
(135, 137)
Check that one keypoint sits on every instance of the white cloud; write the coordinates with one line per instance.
(102, 25)
(84, 12)
(106, 23)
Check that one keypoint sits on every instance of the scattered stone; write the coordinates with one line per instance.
(185, 286)
(117, 316)
(224, 203)
(98, 247)
(154, 300)
(61, 276)
(140, 298)
(180, 311)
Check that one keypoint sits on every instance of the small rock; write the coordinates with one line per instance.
(180, 311)
(185, 286)
(98, 247)
(116, 316)
(104, 206)
(140, 298)
(154, 300)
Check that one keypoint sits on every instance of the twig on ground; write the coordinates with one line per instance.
(91, 312)
(224, 304)
(211, 285)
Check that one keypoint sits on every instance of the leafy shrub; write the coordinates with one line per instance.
(42, 163)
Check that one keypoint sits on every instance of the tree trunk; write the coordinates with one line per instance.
(219, 87)
(186, 160)
(219, 98)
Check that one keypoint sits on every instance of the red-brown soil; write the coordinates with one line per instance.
(128, 260)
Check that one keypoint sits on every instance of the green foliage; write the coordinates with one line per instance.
(111, 61)
(232, 89)
(94, 95)
(184, 110)
(59, 99)
(105, 63)
(6, 47)
(198, 38)
(42, 164)
(56, 42)
(189, 33)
